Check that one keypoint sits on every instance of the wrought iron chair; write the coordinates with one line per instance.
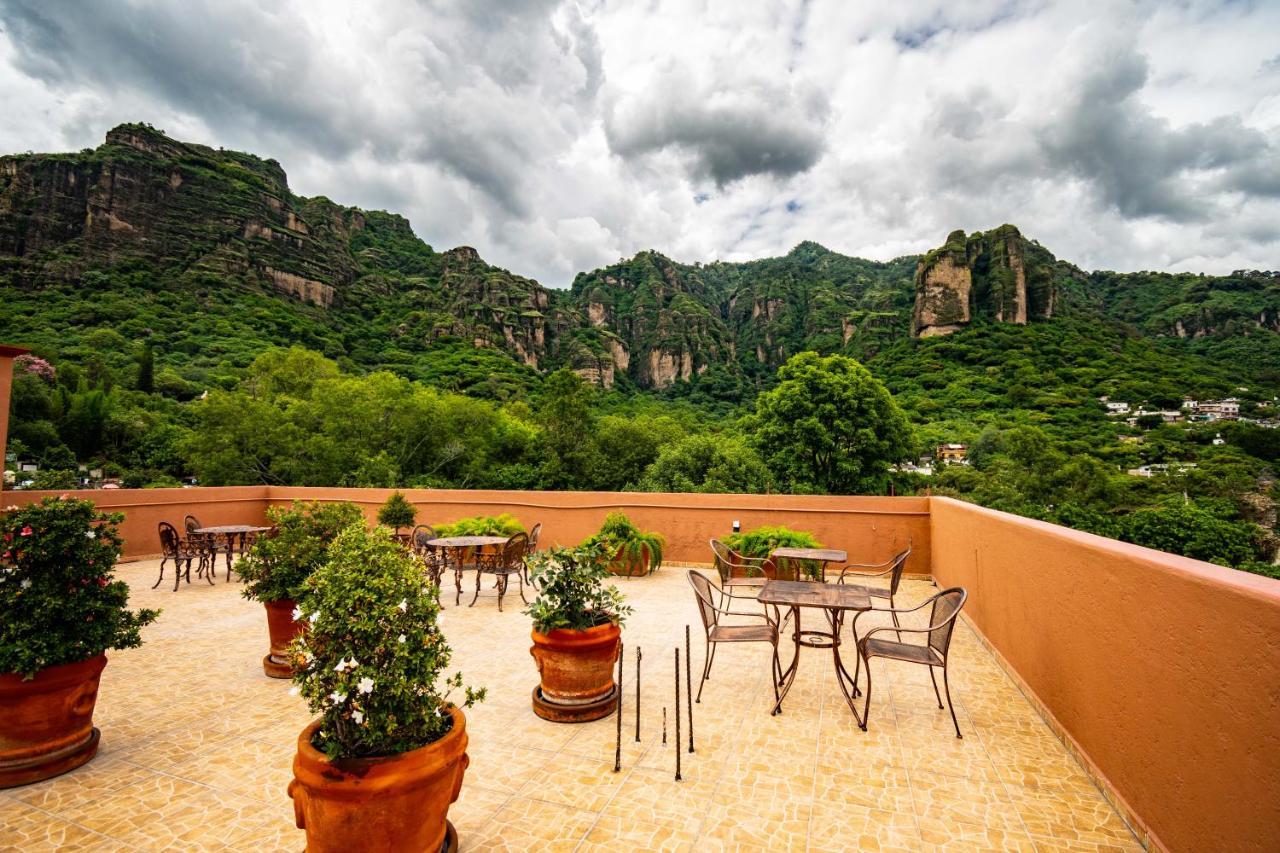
(173, 548)
(893, 568)
(707, 593)
(727, 561)
(944, 609)
(509, 561)
(431, 558)
(211, 545)
(533, 545)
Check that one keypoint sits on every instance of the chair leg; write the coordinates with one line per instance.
(157, 583)
(207, 560)
(457, 587)
(950, 704)
(777, 673)
(934, 679)
(893, 613)
(866, 708)
(706, 668)
(711, 662)
(520, 581)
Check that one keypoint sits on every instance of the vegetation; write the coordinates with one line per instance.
(59, 600)
(482, 525)
(397, 512)
(372, 663)
(625, 543)
(276, 568)
(761, 541)
(573, 590)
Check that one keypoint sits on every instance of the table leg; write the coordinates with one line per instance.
(848, 686)
(789, 675)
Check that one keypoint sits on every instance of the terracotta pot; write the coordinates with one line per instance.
(282, 629)
(630, 566)
(577, 666)
(398, 802)
(46, 724)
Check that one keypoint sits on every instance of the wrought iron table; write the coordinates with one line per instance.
(232, 532)
(834, 601)
(457, 545)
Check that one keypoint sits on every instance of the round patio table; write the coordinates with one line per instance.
(457, 545)
(231, 531)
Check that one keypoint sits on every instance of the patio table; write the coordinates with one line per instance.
(231, 531)
(834, 601)
(457, 545)
(821, 556)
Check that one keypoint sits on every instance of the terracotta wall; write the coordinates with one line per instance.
(1164, 671)
(869, 528)
(144, 509)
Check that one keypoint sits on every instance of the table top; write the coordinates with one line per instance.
(826, 555)
(811, 594)
(231, 528)
(466, 541)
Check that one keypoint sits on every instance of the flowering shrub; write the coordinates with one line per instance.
(277, 566)
(34, 364)
(573, 589)
(59, 602)
(372, 663)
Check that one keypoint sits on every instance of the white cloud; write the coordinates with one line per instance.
(556, 135)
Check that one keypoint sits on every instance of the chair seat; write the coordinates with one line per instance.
(869, 591)
(745, 582)
(876, 647)
(742, 633)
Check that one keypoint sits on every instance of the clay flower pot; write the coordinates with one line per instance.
(46, 724)
(282, 629)
(576, 669)
(633, 566)
(396, 802)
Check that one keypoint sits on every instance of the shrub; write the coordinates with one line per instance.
(761, 541)
(482, 525)
(397, 512)
(573, 592)
(620, 539)
(59, 601)
(372, 663)
(278, 565)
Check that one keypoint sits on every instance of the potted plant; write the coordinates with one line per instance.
(577, 625)
(380, 766)
(279, 563)
(482, 525)
(397, 512)
(628, 550)
(762, 541)
(61, 609)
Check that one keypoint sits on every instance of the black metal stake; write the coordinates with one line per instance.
(677, 713)
(638, 656)
(664, 725)
(688, 683)
(617, 749)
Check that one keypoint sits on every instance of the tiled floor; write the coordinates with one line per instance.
(197, 746)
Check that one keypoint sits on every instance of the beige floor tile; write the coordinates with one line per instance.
(838, 828)
(524, 824)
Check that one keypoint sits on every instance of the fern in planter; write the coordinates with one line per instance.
(761, 542)
(482, 525)
(626, 546)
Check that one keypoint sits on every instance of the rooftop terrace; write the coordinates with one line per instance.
(1111, 697)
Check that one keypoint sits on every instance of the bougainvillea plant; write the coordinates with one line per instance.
(373, 663)
(59, 600)
(573, 587)
(37, 365)
(278, 565)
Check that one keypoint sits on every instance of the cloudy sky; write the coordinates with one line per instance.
(560, 136)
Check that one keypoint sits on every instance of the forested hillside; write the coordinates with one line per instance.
(161, 284)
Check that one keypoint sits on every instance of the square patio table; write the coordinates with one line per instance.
(834, 601)
(818, 555)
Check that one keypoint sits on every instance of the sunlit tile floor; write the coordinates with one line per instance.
(197, 746)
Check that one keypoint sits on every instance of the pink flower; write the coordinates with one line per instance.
(102, 581)
(27, 531)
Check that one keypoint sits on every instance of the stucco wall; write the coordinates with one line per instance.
(7, 355)
(1164, 671)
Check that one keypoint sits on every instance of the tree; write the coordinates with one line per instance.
(830, 425)
(708, 463)
(568, 429)
(397, 512)
(146, 370)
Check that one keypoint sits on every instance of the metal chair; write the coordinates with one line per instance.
(893, 567)
(431, 558)
(728, 560)
(944, 609)
(710, 610)
(207, 543)
(173, 548)
(533, 545)
(509, 561)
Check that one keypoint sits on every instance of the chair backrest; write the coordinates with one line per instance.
(899, 564)
(514, 551)
(533, 537)
(170, 542)
(702, 587)
(942, 617)
(422, 534)
(726, 559)
(192, 524)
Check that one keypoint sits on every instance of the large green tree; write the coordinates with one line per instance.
(830, 426)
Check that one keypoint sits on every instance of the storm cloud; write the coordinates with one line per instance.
(558, 135)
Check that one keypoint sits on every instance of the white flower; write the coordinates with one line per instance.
(358, 716)
(315, 617)
(337, 698)
(353, 663)
(403, 605)
(297, 614)
(89, 534)
(342, 664)
(365, 685)
(308, 656)
(402, 638)
(26, 583)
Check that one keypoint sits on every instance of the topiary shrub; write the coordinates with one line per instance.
(278, 564)
(59, 601)
(397, 512)
(626, 547)
(482, 525)
(372, 664)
